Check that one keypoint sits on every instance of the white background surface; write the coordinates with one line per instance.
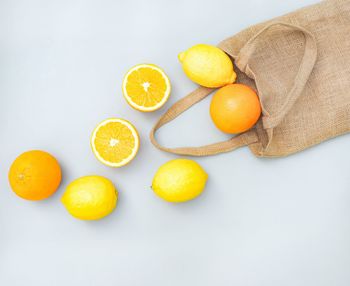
(260, 222)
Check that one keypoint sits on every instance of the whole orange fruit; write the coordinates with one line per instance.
(235, 108)
(35, 175)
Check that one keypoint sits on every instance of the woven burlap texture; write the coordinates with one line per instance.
(300, 66)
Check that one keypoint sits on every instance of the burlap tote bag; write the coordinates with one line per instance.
(300, 66)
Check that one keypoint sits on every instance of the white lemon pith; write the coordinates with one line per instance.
(146, 87)
(179, 180)
(115, 142)
(90, 197)
(208, 66)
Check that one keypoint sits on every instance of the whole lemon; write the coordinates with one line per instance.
(179, 180)
(35, 175)
(90, 197)
(208, 66)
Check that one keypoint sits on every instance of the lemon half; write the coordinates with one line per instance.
(146, 87)
(115, 142)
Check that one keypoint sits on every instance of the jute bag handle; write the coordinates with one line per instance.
(242, 60)
(306, 66)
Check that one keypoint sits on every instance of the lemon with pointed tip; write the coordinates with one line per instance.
(179, 180)
(90, 197)
(208, 66)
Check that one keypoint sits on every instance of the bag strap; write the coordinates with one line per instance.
(306, 66)
(249, 137)
(212, 149)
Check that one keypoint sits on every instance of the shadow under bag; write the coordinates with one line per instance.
(300, 66)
